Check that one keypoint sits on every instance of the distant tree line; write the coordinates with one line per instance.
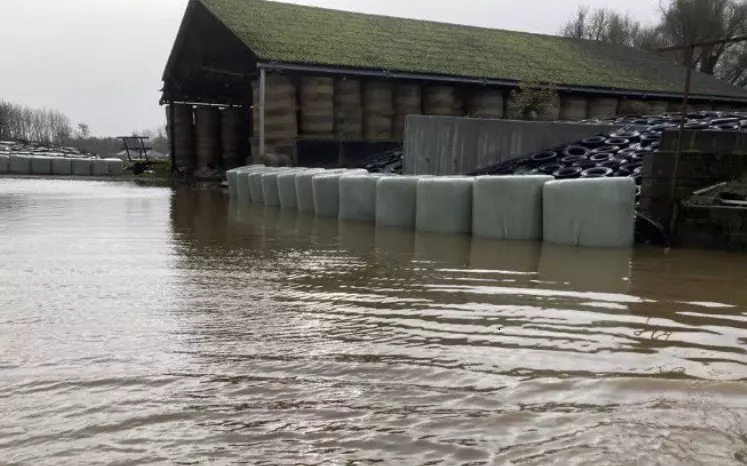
(680, 22)
(20, 122)
(25, 124)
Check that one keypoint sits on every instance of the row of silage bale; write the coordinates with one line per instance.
(29, 164)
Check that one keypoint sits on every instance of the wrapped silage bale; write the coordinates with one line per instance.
(81, 167)
(243, 186)
(19, 164)
(270, 193)
(445, 204)
(396, 201)
(590, 212)
(62, 166)
(4, 163)
(287, 189)
(305, 190)
(508, 207)
(255, 184)
(99, 167)
(358, 197)
(326, 188)
(237, 183)
(41, 165)
(115, 167)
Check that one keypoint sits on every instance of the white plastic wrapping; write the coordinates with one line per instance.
(287, 189)
(19, 164)
(4, 163)
(445, 204)
(81, 167)
(396, 201)
(508, 207)
(305, 190)
(255, 184)
(61, 166)
(238, 182)
(270, 194)
(358, 197)
(115, 167)
(590, 212)
(99, 167)
(326, 189)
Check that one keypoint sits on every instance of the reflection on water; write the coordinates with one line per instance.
(148, 325)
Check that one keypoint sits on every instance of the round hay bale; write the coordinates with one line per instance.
(207, 141)
(485, 103)
(230, 128)
(657, 107)
(572, 108)
(317, 106)
(347, 93)
(439, 100)
(377, 127)
(551, 110)
(348, 111)
(602, 107)
(408, 100)
(631, 107)
(270, 160)
(184, 137)
(378, 98)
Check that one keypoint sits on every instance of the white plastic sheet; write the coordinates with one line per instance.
(61, 166)
(305, 190)
(270, 193)
(20, 164)
(445, 204)
(4, 163)
(287, 189)
(81, 167)
(326, 189)
(41, 165)
(99, 167)
(241, 191)
(508, 207)
(255, 184)
(115, 167)
(396, 201)
(358, 197)
(590, 212)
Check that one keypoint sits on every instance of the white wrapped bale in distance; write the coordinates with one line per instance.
(238, 183)
(508, 207)
(115, 167)
(4, 163)
(287, 189)
(445, 204)
(255, 184)
(270, 194)
(62, 166)
(19, 164)
(41, 165)
(99, 167)
(305, 189)
(358, 197)
(81, 167)
(590, 213)
(243, 186)
(396, 201)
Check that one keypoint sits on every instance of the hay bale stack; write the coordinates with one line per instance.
(701, 106)
(573, 108)
(184, 138)
(378, 110)
(485, 103)
(317, 106)
(630, 107)
(657, 107)
(230, 128)
(348, 109)
(551, 110)
(439, 100)
(408, 100)
(281, 123)
(602, 107)
(207, 137)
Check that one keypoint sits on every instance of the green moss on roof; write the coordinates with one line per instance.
(300, 34)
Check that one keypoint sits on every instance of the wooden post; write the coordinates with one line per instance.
(689, 54)
(262, 85)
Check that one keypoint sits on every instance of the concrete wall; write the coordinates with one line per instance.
(712, 227)
(455, 146)
(708, 157)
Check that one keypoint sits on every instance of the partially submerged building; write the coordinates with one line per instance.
(254, 76)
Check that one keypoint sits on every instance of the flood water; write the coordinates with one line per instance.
(143, 325)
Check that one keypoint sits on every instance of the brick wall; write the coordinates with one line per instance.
(708, 157)
(712, 227)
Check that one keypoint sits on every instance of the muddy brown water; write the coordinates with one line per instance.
(145, 325)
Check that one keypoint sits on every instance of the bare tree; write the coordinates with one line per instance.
(606, 25)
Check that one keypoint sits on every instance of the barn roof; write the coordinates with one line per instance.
(294, 34)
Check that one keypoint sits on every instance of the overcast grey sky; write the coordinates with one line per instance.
(100, 61)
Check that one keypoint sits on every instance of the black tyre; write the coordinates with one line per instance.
(567, 173)
(597, 172)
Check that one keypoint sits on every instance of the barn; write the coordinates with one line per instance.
(247, 78)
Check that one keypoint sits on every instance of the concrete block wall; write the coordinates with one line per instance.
(712, 227)
(707, 158)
